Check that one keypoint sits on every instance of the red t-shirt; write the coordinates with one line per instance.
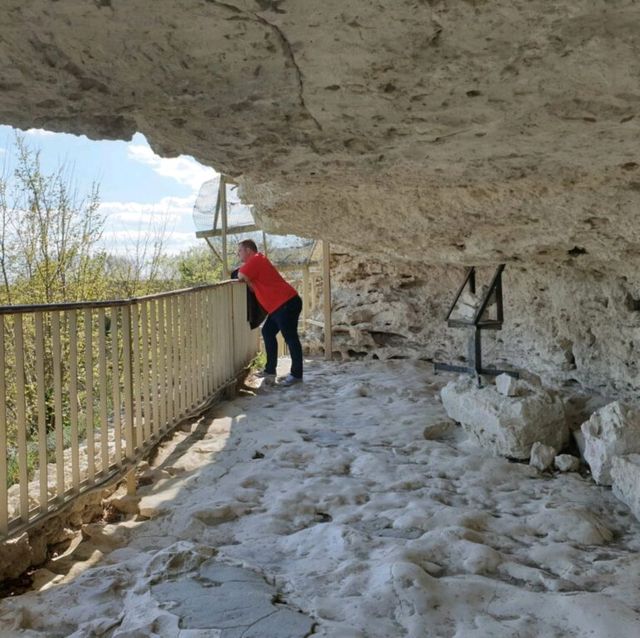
(268, 285)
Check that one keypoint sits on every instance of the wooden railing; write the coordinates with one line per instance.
(86, 389)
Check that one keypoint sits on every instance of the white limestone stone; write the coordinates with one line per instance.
(567, 463)
(625, 477)
(542, 456)
(613, 430)
(506, 385)
(508, 426)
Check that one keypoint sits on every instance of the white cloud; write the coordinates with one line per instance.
(123, 242)
(39, 131)
(183, 169)
(144, 219)
(167, 206)
(128, 223)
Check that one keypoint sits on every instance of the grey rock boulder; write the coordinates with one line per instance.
(507, 426)
(613, 430)
(625, 476)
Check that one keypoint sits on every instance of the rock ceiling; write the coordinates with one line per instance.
(443, 131)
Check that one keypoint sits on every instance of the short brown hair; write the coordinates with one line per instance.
(249, 243)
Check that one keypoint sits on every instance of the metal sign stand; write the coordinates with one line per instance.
(477, 324)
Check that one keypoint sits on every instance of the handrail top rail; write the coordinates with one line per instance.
(80, 305)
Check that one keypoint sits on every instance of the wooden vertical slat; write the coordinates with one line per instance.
(102, 371)
(172, 364)
(185, 377)
(231, 331)
(174, 370)
(186, 349)
(214, 339)
(227, 332)
(202, 345)
(145, 383)
(196, 324)
(42, 412)
(88, 384)
(56, 352)
(4, 504)
(115, 382)
(211, 338)
(162, 364)
(21, 417)
(236, 334)
(222, 329)
(221, 367)
(155, 371)
(134, 315)
(171, 406)
(198, 321)
(191, 326)
(72, 322)
(128, 382)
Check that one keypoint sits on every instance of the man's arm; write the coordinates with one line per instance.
(243, 277)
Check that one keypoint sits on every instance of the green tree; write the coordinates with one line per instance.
(197, 266)
(48, 234)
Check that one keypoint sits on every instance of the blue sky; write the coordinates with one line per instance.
(139, 190)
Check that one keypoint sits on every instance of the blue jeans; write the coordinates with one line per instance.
(285, 320)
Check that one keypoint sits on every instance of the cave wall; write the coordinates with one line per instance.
(569, 323)
(427, 134)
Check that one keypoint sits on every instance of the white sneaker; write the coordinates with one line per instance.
(289, 380)
(261, 374)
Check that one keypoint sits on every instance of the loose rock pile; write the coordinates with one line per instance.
(521, 419)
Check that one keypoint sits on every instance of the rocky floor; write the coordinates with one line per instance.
(349, 506)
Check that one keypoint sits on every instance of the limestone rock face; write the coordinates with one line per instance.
(564, 323)
(613, 430)
(508, 426)
(625, 477)
(467, 132)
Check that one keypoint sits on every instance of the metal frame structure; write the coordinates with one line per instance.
(221, 214)
(477, 324)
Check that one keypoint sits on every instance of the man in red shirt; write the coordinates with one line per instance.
(281, 302)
